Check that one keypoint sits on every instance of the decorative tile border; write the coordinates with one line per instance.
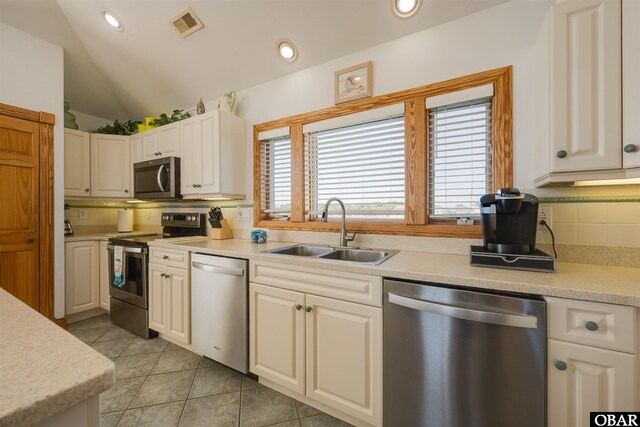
(590, 199)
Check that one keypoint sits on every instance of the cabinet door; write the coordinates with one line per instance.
(191, 156)
(344, 357)
(593, 380)
(82, 267)
(77, 163)
(210, 158)
(110, 166)
(631, 83)
(135, 144)
(178, 304)
(168, 140)
(149, 151)
(104, 276)
(276, 335)
(157, 298)
(585, 85)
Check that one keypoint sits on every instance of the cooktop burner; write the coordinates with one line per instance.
(173, 225)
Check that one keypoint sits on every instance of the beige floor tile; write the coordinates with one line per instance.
(117, 333)
(261, 406)
(216, 379)
(111, 419)
(111, 349)
(166, 415)
(141, 346)
(178, 360)
(118, 397)
(164, 388)
(214, 411)
(137, 365)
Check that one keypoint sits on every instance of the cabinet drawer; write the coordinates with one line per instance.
(359, 288)
(170, 257)
(591, 323)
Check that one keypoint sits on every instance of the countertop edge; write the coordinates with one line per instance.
(59, 402)
(380, 270)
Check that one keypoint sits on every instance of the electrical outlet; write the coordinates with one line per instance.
(83, 214)
(545, 213)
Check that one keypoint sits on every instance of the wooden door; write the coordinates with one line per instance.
(110, 166)
(157, 298)
(276, 335)
(82, 276)
(19, 196)
(77, 163)
(590, 380)
(586, 85)
(344, 356)
(178, 304)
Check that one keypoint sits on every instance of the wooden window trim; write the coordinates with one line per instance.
(416, 221)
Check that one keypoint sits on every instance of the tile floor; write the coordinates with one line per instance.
(161, 384)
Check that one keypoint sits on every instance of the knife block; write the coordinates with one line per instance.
(222, 233)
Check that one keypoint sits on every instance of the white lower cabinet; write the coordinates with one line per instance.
(82, 276)
(586, 371)
(170, 302)
(324, 349)
(104, 276)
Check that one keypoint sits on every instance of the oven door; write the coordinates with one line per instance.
(135, 289)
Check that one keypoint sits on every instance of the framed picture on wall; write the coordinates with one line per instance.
(353, 83)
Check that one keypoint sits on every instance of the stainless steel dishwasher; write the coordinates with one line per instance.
(460, 358)
(219, 309)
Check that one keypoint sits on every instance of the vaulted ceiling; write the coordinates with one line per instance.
(149, 68)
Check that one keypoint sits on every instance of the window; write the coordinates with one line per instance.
(460, 152)
(361, 164)
(411, 169)
(275, 180)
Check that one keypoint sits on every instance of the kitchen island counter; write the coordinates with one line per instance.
(44, 370)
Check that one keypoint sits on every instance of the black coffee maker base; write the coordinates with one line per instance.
(537, 261)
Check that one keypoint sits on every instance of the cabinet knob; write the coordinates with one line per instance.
(591, 326)
(560, 365)
(165, 256)
(308, 309)
(198, 185)
(86, 190)
(630, 148)
(159, 153)
(193, 185)
(561, 154)
(126, 191)
(298, 307)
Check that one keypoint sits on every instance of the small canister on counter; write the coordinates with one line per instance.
(259, 236)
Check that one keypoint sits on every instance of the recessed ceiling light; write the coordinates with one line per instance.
(287, 50)
(405, 8)
(112, 20)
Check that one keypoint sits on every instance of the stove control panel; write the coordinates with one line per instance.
(192, 220)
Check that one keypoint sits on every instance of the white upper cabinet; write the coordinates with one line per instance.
(580, 99)
(631, 85)
(163, 141)
(213, 156)
(77, 163)
(110, 166)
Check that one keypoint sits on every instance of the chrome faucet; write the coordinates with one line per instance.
(344, 239)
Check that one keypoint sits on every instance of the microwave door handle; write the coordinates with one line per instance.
(159, 177)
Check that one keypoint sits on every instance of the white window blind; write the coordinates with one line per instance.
(460, 158)
(361, 164)
(275, 179)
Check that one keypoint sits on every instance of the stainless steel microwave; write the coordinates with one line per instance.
(157, 179)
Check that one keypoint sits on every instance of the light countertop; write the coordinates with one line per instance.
(105, 236)
(44, 370)
(616, 285)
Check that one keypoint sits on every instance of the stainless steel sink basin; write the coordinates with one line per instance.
(369, 256)
(356, 255)
(302, 250)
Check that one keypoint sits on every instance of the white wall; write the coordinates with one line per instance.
(496, 37)
(87, 122)
(31, 76)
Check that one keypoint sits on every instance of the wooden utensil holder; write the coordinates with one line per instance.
(222, 233)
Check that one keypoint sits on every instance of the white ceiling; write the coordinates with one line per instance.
(148, 68)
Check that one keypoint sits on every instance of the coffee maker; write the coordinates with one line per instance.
(509, 224)
(509, 221)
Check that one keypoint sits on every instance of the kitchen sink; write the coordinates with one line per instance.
(302, 250)
(355, 255)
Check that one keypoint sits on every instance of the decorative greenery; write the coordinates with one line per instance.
(127, 128)
(164, 119)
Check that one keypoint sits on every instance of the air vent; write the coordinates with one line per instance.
(186, 22)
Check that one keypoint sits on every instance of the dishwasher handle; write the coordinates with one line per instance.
(218, 270)
(466, 313)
